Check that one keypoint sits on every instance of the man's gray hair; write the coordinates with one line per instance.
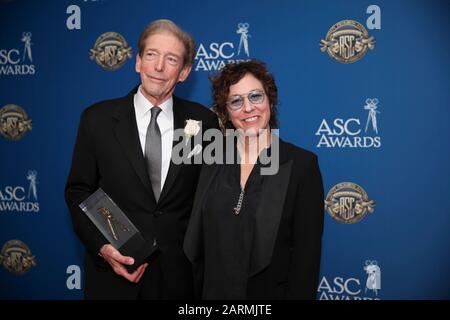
(165, 25)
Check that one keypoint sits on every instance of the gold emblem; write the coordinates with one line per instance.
(348, 203)
(110, 51)
(16, 257)
(112, 222)
(347, 41)
(14, 122)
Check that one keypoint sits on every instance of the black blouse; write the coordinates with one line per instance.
(228, 232)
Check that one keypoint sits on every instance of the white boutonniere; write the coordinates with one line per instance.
(191, 129)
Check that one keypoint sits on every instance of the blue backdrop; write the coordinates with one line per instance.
(378, 123)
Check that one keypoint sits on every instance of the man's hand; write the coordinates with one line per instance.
(117, 262)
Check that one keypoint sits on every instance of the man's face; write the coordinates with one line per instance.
(161, 66)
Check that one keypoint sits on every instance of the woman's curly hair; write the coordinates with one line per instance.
(231, 74)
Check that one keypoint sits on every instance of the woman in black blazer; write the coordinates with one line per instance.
(254, 235)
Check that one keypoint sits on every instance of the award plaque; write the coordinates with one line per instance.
(117, 228)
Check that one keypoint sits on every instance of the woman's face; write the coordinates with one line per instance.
(248, 105)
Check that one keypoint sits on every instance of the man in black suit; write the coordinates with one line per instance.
(124, 146)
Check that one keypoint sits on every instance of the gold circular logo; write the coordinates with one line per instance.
(347, 41)
(16, 257)
(348, 203)
(14, 122)
(110, 51)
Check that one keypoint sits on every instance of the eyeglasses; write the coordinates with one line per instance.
(237, 101)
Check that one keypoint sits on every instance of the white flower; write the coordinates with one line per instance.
(191, 129)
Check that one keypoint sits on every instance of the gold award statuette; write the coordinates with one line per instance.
(112, 222)
(115, 226)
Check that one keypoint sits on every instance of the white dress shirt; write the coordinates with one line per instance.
(165, 122)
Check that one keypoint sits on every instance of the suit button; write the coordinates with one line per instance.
(158, 213)
(154, 242)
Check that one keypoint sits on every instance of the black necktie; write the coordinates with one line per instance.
(153, 152)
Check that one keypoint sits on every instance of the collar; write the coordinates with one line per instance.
(143, 105)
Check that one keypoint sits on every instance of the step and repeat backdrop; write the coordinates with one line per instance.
(363, 84)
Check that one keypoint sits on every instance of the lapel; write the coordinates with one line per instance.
(126, 133)
(179, 118)
(269, 213)
(267, 220)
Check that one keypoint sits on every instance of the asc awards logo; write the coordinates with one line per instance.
(214, 56)
(110, 51)
(349, 133)
(352, 288)
(16, 257)
(373, 282)
(15, 198)
(347, 41)
(348, 203)
(14, 122)
(14, 63)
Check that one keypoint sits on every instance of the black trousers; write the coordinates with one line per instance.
(157, 283)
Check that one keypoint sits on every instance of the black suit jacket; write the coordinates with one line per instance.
(108, 154)
(286, 249)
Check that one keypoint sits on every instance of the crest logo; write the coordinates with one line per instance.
(347, 41)
(348, 203)
(110, 51)
(14, 122)
(16, 257)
